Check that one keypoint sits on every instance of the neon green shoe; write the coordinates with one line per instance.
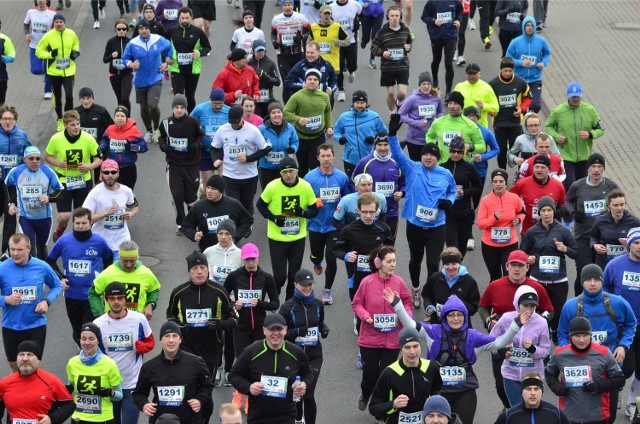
(60, 125)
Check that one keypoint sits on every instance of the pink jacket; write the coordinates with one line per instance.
(369, 302)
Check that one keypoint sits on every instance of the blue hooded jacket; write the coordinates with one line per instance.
(12, 145)
(356, 126)
(279, 143)
(534, 48)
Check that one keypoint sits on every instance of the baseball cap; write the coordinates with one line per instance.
(325, 8)
(528, 299)
(472, 68)
(574, 89)
(274, 320)
(249, 250)
(235, 114)
(518, 256)
(115, 288)
(303, 277)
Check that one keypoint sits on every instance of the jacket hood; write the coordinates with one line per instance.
(521, 291)
(455, 304)
(524, 22)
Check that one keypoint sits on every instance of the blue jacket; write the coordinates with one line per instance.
(383, 172)
(279, 143)
(151, 53)
(451, 10)
(337, 180)
(12, 145)
(356, 127)
(45, 177)
(534, 47)
(210, 120)
(31, 278)
(375, 8)
(622, 277)
(492, 151)
(295, 77)
(425, 187)
(595, 311)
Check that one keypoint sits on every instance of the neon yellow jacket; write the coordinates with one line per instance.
(479, 91)
(65, 41)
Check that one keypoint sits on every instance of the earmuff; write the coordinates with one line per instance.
(377, 262)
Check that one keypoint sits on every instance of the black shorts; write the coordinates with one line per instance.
(12, 338)
(206, 164)
(149, 94)
(205, 9)
(72, 199)
(389, 79)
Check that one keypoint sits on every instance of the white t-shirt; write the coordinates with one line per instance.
(345, 15)
(244, 40)
(119, 338)
(247, 140)
(222, 261)
(310, 12)
(112, 227)
(41, 22)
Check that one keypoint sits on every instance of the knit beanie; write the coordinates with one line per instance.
(196, 258)
(632, 235)
(546, 201)
(579, 325)
(436, 403)
(408, 334)
(542, 160)
(590, 271)
(216, 182)
(229, 226)
(425, 76)
(456, 97)
(179, 100)
(30, 346)
(170, 327)
(595, 158)
(431, 148)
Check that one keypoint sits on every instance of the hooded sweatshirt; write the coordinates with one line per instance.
(534, 48)
(222, 260)
(415, 109)
(123, 144)
(439, 288)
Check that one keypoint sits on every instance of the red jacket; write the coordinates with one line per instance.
(530, 191)
(498, 296)
(369, 302)
(231, 79)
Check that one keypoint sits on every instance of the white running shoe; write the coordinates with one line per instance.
(471, 25)
(341, 96)
(461, 61)
(471, 244)
(455, 55)
(102, 14)
(96, 24)
(148, 137)
(48, 95)
(629, 410)
(352, 77)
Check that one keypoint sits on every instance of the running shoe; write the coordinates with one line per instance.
(629, 410)
(132, 24)
(352, 77)
(415, 296)
(372, 64)
(67, 3)
(317, 268)
(487, 43)
(455, 55)
(360, 363)
(60, 125)
(102, 13)
(48, 95)
(355, 326)
(490, 29)
(148, 137)
(226, 382)
(96, 24)
(341, 96)
(59, 232)
(179, 231)
(327, 298)
(362, 403)
(471, 26)
(471, 244)
(461, 61)
(219, 374)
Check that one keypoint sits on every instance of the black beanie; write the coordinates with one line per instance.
(30, 346)
(542, 160)
(85, 92)
(595, 158)
(196, 258)
(216, 182)
(545, 201)
(227, 225)
(93, 328)
(425, 76)
(431, 148)
(579, 325)
(170, 327)
(360, 95)
(455, 97)
(590, 271)
(501, 172)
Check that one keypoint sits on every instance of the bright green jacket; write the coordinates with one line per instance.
(568, 121)
(65, 42)
(479, 91)
(444, 129)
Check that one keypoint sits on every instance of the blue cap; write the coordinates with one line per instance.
(31, 150)
(217, 95)
(574, 90)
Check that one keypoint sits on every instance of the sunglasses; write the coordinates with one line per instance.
(34, 158)
(122, 29)
(115, 298)
(109, 172)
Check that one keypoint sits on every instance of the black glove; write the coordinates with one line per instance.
(298, 211)
(69, 388)
(291, 150)
(317, 4)
(279, 220)
(324, 333)
(394, 124)
(105, 392)
(164, 147)
(591, 387)
(369, 140)
(213, 323)
(54, 52)
(444, 204)
(342, 140)
(403, 144)
(74, 55)
(579, 217)
(562, 390)
(276, 45)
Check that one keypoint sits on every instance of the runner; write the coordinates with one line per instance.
(371, 20)
(347, 14)
(244, 37)
(237, 78)
(268, 74)
(94, 118)
(167, 12)
(148, 15)
(511, 14)
(37, 22)
(8, 55)
(296, 78)
(282, 137)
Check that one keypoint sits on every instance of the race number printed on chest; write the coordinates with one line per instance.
(274, 386)
(117, 63)
(362, 263)
(79, 267)
(63, 62)
(410, 417)
(453, 376)
(445, 16)
(448, 136)
(246, 296)
(288, 40)
(8, 161)
(577, 376)
(220, 272)
(513, 17)
(291, 226)
(427, 111)
(197, 317)
(31, 191)
(426, 214)
(595, 207)
(120, 342)
(396, 54)
(520, 357)
(614, 250)
(314, 122)
(531, 59)
(385, 188)
(501, 234)
(28, 294)
(599, 337)
(309, 339)
(76, 183)
(214, 221)
(114, 221)
(23, 421)
(549, 264)
(264, 95)
(89, 404)
(170, 395)
(117, 146)
(385, 322)
(275, 157)
(178, 144)
(631, 280)
(507, 100)
(330, 194)
(325, 48)
(234, 151)
(185, 58)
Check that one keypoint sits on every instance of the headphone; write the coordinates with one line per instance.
(377, 262)
(393, 8)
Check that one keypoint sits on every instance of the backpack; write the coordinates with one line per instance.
(607, 306)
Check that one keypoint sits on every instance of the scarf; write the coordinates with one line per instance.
(91, 360)
(306, 300)
(381, 158)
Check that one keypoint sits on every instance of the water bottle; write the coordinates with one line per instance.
(295, 397)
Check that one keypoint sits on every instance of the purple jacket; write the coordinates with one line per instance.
(412, 114)
(374, 9)
(382, 172)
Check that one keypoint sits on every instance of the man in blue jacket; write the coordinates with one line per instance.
(296, 77)
(356, 130)
(531, 55)
(148, 55)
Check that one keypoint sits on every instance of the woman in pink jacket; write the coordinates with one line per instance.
(378, 337)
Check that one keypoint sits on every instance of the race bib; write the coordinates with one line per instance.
(410, 417)
(170, 395)
(23, 421)
(531, 59)
(385, 188)
(89, 404)
(93, 132)
(385, 322)
(75, 183)
(234, 151)
(549, 264)
(38, 27)
(275, 157)
(448, 136)
(171, 14)
(197, 317)
(507, 100)
(28, 294)
(345, 24)
(274, 386)
(330, 194)
(63, 62)
(120, 342)
(291, 226)
(520, 358)
(246, 296)
(31, 191)
(117, 63)
(534, 213)
(513, 17)
(185, 58)
(8, 161)
(179, 144)
(445, 16)
(114, 221)
(220, 272)
(314, 123)
(595, 207)
(599, 337)
(362, 263)
(396, 54)
(439, 309)
(117, 146)
(264, 95)
(631, 280)
(614, 250)
(426, 214)
(501, 234)
(453, 376)
(214, 221)
(325, 48)
(427, 111)
(288, 40)
(79, 267)
(309, 339)
(577, 376)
